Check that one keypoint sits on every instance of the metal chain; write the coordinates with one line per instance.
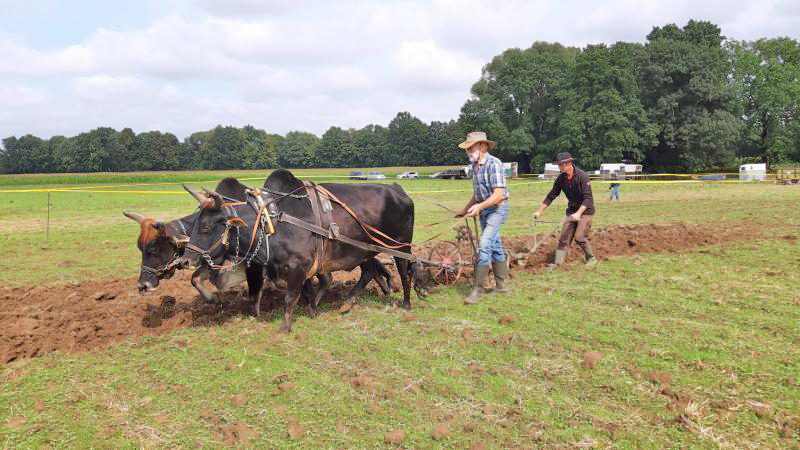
(237, 244)
(262, 225)
(180, 222)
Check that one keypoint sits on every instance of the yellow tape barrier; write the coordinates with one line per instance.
(105, 190)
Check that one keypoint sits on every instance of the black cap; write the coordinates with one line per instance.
(564, 157)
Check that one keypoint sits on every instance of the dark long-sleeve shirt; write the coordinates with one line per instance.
(578, 192)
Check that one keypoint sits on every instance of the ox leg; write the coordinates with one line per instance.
(307, 294)
(198, 276)
(324, 284)
(420, 279)
(293, 290)
(383, 278)
(255, 285)
(367, 273)
(403, 269)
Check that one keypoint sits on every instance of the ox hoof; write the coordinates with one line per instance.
(311, 312)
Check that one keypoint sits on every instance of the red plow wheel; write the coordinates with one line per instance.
(446, 253)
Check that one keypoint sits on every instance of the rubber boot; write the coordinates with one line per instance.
(500, 270)
(561, 256)
(591, 261)
(478, 278)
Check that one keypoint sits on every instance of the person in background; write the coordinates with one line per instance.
(614, 188)
(490, 202)
(580, 208)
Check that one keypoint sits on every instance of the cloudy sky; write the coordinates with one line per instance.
(282, 65)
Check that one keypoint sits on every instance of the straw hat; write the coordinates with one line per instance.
(475, 137)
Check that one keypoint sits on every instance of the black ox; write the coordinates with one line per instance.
(162, 243)
(290, 253)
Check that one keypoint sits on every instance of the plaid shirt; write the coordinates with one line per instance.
(486, 176)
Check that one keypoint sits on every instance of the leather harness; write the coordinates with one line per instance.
(323, 228)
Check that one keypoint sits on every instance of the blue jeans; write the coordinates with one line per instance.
(490, 249)
(614, 193)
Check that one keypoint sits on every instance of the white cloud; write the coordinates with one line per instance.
(113, 90)
(285, 65)
(344, 79)
(428, 66)
(246, 8)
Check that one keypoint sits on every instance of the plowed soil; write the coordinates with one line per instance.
(91, 315)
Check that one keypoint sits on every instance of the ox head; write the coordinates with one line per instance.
(210, 230)
(159, 248)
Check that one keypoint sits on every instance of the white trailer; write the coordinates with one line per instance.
(550, 171)
(609, 170)
(753, 172)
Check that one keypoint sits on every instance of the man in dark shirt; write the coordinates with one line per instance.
(580, 208)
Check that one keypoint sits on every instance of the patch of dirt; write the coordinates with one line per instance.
(440, 432)
(236, 434)
(93, 314)
(394, 437)
(296, 431)
(619, 241)
(590, 359)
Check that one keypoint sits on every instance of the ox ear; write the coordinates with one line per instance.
(180, 240)
(236, 222)
(198, 196)
(133, 216)
(218, 201)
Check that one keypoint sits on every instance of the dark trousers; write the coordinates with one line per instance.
(576, 230)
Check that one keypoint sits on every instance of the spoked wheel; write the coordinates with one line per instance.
(445, 252)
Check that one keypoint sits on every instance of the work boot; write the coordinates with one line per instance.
(561, 256)
(500, 270)
(478, 278)
(591, 261)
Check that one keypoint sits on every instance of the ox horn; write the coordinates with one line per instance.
(134, 216)
(218, 201)
(198, 196)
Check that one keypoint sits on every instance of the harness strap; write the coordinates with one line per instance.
(288, 218)
(319, 246)
(368, 229)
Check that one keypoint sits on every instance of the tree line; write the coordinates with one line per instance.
(686, 100)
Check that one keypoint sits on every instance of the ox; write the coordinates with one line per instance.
(162, 244)
(292, 253)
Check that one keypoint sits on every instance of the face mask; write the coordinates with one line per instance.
(474, 156)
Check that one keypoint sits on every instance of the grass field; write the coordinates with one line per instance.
(697, 349)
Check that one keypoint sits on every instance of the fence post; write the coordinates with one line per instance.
(47, 225)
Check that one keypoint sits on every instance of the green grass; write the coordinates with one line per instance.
(721, 324)
(710, 321)
(89, 237)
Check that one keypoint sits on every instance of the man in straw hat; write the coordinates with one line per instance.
(490, 202)
(580, 208)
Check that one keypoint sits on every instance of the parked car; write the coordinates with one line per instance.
(376, 176)
(408, 175)
(453, 174)
(435, 175)
(357, 176)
